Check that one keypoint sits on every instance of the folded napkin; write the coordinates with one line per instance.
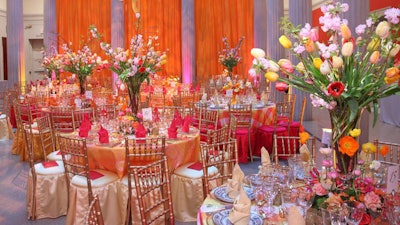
(156, 115)
(178, 118)
(186, 124)
(173, 130)
(103, 135)
(140, 131)
(234, 185)
(85, 126)
(265, 158)
(304, 153)
(294, 216)
(240, 214)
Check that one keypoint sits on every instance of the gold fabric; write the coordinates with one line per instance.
(5, 129)
(109, 203)
(19, 147)
(51, 196)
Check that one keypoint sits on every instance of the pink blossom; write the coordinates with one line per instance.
(392, 15)
(333, 175)
(305, 32)
(372, 201)
(319, 189)
(299, 49)
(327, 163)
(360, 29)
(357, 172)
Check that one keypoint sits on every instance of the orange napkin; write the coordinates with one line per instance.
(234, 185)
(85, 126)
(240, 214)
(140, 131)
(103, 135)
(173, 130)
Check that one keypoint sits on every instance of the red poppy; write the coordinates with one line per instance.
(280, 86)
(142, 69)
(336, 88)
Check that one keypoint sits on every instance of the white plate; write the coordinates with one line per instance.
(221, 218)
(220, 193)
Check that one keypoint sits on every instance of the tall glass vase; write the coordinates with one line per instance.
(342, 122)
(134, 94)
(82, 84)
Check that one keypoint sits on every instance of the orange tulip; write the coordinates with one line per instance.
(374, 58)
(346, 32)
(392, 72)
(309, 45)
(348, 145)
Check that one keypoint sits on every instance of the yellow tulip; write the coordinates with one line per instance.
(347, 49)
(285, 42)
(383, 29)
(257, 53)
(300, 67)
(164, 56)
(163, 61)
(374, 44)
(271, 76)
(337, 62)
(346, 32)
(317, 62)
(374, 58)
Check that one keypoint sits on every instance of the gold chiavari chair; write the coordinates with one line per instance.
(187, 180)
(139, 152)
(393, 151)
(84, 183)
(47, 192)
(153, 191)
(108, 110)
(157, 99)
(94, 216)
(62, 119)
(287, 146)
(243, 114)
(81, 113)
(47, 139)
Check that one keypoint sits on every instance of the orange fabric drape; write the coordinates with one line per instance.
(73, 21)
(215, 19)
(161, 18)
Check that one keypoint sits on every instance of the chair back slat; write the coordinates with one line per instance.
(94, 216)
(289, 146)
(393, 154)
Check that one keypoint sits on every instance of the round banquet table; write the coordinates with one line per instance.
(261, 115)
(111, 157)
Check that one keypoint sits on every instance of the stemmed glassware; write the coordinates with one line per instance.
(305, 199)
(270, 191)
(256, 183)
(354, 215)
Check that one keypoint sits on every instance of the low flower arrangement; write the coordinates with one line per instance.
(357, 189)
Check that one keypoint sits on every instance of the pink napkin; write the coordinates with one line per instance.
(103, 136)
(196, 166)
(85, 126)
(173, 130)
(186, 124)
(140, 131)
(156, 115)
(104, 113)
(178, 118)
(95, 175)
(49, 164)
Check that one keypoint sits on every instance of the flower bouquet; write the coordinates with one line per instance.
(229, 57)
(52, 65)
(346, 75)
(136, 64)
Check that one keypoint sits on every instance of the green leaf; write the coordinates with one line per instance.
(354, 107)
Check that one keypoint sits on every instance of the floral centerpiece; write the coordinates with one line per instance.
(52, 64)
(136, 64)
(358, 189)
(229, 57)
(346, 75)
(82, 62)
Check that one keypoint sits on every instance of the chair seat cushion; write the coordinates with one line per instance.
(49, 167)
(242, 131)
(185, 171)
(107, 178)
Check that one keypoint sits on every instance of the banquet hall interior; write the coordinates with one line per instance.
(188, 40)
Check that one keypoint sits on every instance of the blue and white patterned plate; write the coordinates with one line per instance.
(220, 194)
(221, 218)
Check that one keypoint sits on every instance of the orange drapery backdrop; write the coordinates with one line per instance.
(73, 21)
(215, 19)
(163, 19)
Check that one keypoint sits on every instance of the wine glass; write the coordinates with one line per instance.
(270, 192)
(354, 214)
(256, 184)
(305, 199)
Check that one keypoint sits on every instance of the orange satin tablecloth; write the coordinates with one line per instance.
(184, 149)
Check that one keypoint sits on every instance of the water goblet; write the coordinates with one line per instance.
(256, 184)
(305, 199)
(270, 192)
(288, 199)
(337, 216)
(354, 215)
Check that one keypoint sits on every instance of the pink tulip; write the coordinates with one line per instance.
(286, 65)
(314, 34)
(347, 49)
(383, 29)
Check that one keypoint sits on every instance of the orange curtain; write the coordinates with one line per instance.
(161, 18)
(73, 21)
(214, 20)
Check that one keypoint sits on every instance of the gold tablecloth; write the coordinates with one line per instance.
(5, 128)
(19, 146)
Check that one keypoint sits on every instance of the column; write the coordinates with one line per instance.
(274, 50)
(188, 42)
(50, 26)
(357, 14)
(260, 31)
(117, 29)
(300, 13)
(15, 42)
